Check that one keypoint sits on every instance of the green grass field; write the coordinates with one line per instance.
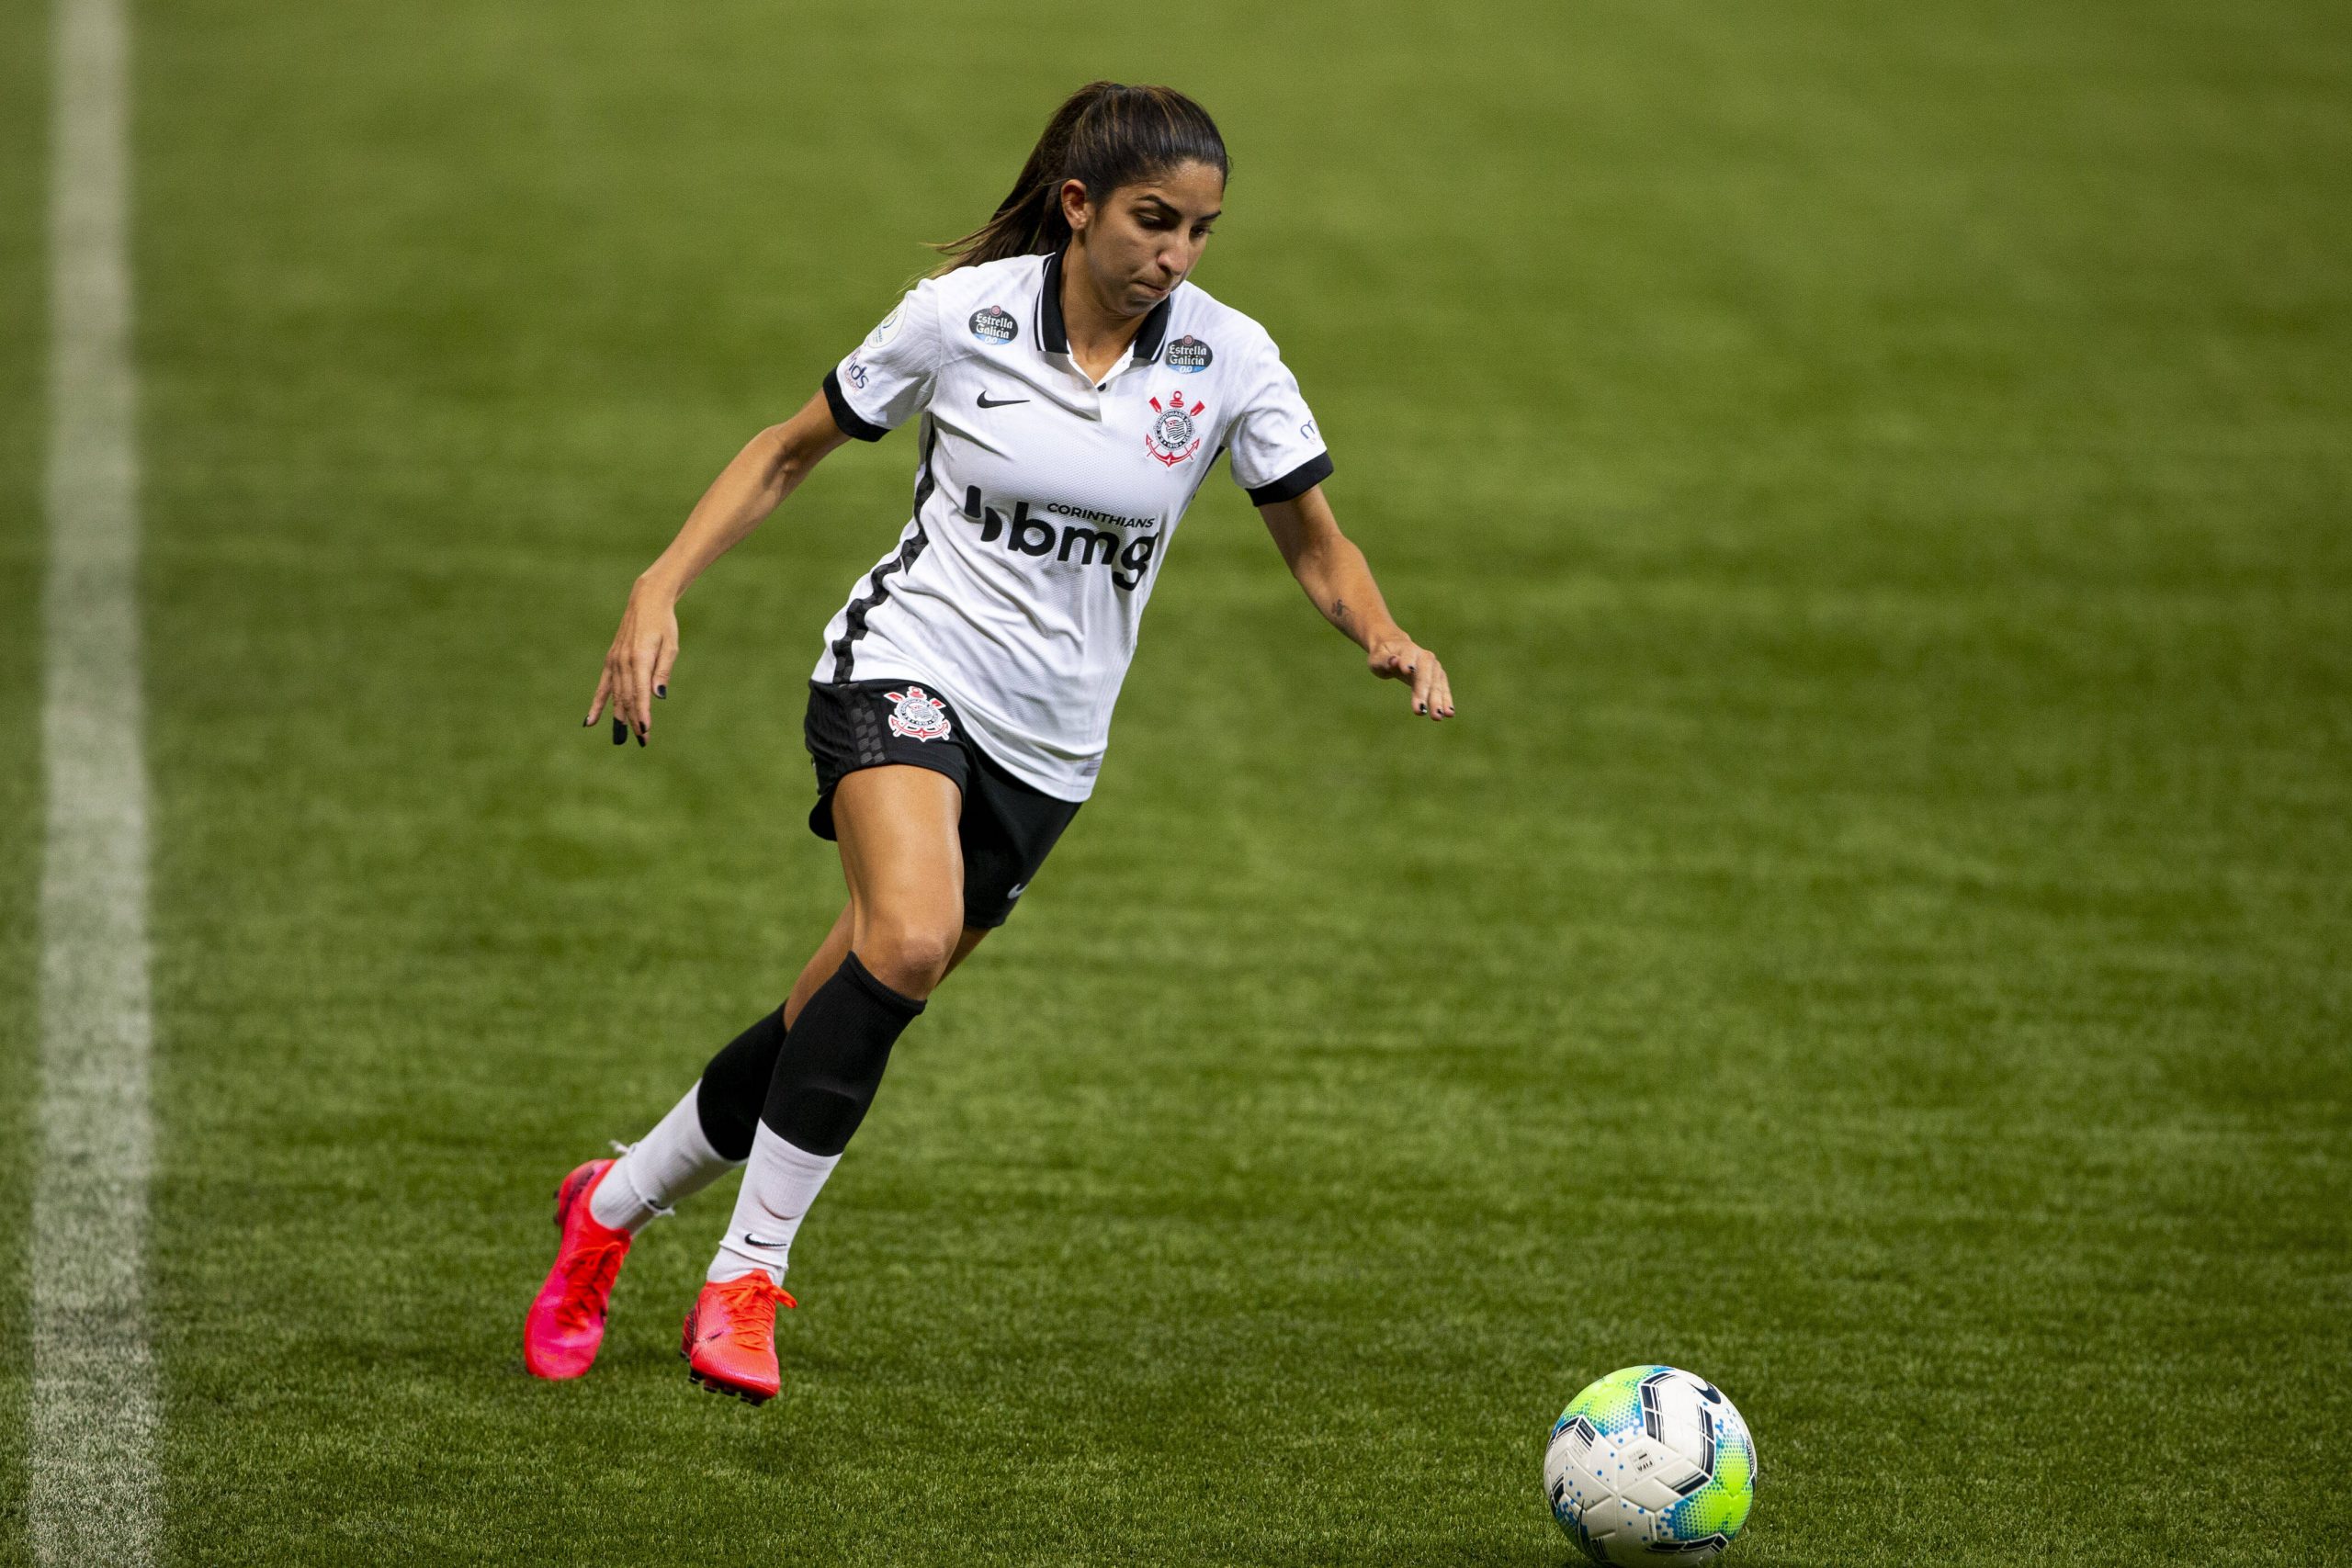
(1878, 933)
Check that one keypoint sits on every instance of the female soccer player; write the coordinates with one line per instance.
(1073, 391)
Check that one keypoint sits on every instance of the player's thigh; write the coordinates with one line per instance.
(904, 862)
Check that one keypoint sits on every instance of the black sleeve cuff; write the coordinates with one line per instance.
(1291, 486)
(846, 416)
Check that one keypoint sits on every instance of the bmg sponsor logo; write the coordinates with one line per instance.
(1025, 533)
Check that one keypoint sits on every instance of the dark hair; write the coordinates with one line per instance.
(1106, 135)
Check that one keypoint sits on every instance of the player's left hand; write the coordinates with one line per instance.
(1399, 658)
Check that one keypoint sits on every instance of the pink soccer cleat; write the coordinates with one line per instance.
(729, 1340)
(566, 1323)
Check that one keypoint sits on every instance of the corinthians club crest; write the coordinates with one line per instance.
(1172, 436)
(919, 716)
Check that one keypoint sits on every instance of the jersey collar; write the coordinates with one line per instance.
(1053, 339)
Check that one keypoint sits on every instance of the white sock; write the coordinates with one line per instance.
(779, 1184)
(672, 1161)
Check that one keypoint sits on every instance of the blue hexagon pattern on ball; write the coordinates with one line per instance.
(1650, 1465)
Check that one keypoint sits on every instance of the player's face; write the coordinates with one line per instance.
(1144, 241)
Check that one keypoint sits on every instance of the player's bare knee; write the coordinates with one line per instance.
(910, 955)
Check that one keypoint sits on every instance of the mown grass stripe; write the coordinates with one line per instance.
(91, 1462)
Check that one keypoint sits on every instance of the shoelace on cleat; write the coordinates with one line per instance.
(750, 1327)
(588, 1276)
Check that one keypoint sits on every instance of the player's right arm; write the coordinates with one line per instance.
(769, 468)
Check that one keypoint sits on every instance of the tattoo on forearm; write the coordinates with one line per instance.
(1339, 613)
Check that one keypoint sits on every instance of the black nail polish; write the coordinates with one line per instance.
(660, 691)
(620, 732)
(640, 737)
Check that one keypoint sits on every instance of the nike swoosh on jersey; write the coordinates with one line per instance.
(1000, 403)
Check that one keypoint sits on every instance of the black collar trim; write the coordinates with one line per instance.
(1054, 338)
(1155, 329)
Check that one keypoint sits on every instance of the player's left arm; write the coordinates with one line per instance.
(1338, 579)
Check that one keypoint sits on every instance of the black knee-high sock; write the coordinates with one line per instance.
(735, 1085)
(827, 1073)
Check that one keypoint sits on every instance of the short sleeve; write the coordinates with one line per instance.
(889, 378)
(1278, 454)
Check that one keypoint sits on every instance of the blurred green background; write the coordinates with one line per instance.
(1877, 934)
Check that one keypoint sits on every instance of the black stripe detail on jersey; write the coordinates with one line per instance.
(853, 624)
(876, 589)
(1295, 483)
(846, 416)
(924, 483)
(1054, 338)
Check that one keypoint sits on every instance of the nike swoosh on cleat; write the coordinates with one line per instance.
(1000, 403)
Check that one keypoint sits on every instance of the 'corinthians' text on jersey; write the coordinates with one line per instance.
(1044, 501)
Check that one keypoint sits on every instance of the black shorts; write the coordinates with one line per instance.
(1006, 827)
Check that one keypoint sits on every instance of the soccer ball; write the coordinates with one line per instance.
(1650, 1465)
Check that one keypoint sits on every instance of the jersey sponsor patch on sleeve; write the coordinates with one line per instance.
(888, 377)
(1276, 446)
(994, 325)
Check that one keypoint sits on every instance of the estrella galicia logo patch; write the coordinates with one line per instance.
(991, 325)
(1173, 434)
(919, 716)
(1190, 355)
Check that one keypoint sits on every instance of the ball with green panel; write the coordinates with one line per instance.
(1651, 1465)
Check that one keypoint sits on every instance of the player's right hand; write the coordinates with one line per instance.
(637, 667)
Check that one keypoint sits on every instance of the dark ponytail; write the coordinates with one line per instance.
(1106, 135)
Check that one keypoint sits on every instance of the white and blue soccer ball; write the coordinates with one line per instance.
(1650, 1465)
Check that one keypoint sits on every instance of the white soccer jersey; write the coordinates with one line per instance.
(1043, 500)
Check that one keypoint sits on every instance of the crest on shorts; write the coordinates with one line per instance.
(919, 716)
(1172, 436)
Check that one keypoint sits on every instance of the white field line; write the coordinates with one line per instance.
(91, 1484)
